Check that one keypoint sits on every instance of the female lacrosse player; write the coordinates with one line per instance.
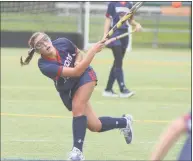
(177, 128)
(75, 80)
(114, 12)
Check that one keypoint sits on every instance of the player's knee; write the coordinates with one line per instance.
(124, 51)
(118, 63)
(95, 126)
(118, 66)
(78, 108)
(118, 70)
(93, 129)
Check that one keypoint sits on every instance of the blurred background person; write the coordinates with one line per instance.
(177, 128)
(115, 11)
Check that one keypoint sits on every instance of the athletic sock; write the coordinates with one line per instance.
(79, 131)
(109, 123)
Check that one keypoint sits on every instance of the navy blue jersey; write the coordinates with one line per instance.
(186, 151)
(188, 120)
(116, 10)
(66, 55)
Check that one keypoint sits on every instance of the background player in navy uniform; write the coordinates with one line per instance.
(114, 12)
(171, 135)
(75, 80)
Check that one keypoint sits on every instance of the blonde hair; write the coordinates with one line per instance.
(31, 50)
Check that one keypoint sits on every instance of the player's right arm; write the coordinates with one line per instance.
(135, 24)
(108, 19)
(107, 26)
(168, 138)
(83, 65)
(54, 71)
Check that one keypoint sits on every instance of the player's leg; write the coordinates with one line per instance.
(108, 92)
(125, 92)
(79, 124)
(124, 51)
(112, 76)
(79, 102)
(81, 93)
(93, 123)
(107, 123)
(118, 70)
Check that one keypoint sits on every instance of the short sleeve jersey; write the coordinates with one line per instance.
(66, 55)
(116, 10)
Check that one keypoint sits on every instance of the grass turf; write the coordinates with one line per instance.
(36, 125)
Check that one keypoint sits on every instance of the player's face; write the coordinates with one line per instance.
(43, 45)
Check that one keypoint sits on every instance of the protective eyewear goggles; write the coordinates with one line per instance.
(41, 43)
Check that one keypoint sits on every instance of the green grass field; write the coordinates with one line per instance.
(36, 125)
